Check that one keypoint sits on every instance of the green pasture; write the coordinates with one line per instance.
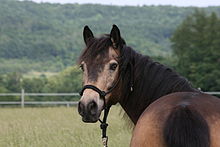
(58, 127)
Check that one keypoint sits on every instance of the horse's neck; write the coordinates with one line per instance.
(151, 81)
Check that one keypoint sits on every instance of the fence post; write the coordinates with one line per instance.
(67, 105)
(22, 98)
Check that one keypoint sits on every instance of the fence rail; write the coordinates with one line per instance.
(67, 103)
(213, 93)
(23, 102)
(39, 94)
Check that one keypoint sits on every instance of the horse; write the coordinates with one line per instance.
(165, 108)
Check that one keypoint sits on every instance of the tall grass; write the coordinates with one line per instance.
(58, 127)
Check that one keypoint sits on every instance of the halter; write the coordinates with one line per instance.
(102, 95)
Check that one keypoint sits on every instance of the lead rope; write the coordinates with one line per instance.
(104, 126)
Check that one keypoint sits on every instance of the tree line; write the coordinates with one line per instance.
(48, 37)
(67, 81)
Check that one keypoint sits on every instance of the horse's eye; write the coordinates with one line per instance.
(113, 66)
(82, 67)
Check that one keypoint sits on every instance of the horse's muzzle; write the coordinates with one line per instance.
(89, 111)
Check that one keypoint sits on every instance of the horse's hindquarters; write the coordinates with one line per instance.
(148, 132)
(200, 113)
(214, 125)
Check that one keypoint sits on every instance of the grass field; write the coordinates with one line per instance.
(58, 127)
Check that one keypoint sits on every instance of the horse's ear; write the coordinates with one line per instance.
(115, 36)
(87, 34)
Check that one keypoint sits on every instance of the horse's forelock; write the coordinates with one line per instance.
(95, 47)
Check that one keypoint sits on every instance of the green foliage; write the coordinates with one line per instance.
(48, 37)
(10, 82)
(67, 81)
(196, 43)
(13, 82)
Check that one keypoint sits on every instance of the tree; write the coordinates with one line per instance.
(66, 81)
(196, 43)
(10, 83)
(13, 82)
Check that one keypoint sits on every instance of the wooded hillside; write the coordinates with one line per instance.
(48, 37)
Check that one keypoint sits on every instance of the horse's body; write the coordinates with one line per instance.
(166, 109)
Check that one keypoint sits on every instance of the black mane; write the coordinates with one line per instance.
(151, 80)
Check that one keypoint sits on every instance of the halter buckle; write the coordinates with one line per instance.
(102, 94)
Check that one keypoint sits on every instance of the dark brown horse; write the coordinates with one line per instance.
(166, 110)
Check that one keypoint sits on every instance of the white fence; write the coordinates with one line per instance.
(67, 103)
(213, 93)
(23, 102)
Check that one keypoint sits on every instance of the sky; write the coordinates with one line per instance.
(198, 3)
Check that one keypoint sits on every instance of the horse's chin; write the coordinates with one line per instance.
(89, 120)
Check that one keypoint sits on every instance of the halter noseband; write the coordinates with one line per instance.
(101, 93)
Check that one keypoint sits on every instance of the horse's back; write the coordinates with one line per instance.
(165, 120)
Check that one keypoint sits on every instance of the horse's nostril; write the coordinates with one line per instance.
(92, 107)
(80, 108)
